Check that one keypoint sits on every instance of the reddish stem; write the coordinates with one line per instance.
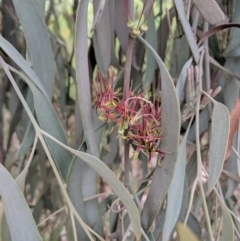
(126, 7)
(150, 10)
(139, 20)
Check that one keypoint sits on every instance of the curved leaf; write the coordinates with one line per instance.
(218, 143)
(74, 189)
(233, 48)
(121, 28)
(227, 227)
(103, 37)
(179, 56)
(210, 11)
(182, 79)
(170, 124)
(187, 29)
(175, 192)
(151, 38)
(21, 62)
(27, 141)
(89, 179)
(111, 179)
(111, 7)
(98, 13)
(49, 121)
(41, 6)
(18, 214)
(38, 42)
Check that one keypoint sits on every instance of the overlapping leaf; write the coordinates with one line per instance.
(170, 124)
(218, 143)
(84, 97)
(187, 29)
(38, 42)
(18, 214)
(113, 182)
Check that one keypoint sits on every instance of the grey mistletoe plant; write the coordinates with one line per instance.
(150, 80)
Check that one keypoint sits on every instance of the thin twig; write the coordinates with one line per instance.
(39, 132)
(2, 152)
(127, 73)
(52, 215)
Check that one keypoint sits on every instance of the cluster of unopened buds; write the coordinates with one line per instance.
(137, 119)
(140, 29)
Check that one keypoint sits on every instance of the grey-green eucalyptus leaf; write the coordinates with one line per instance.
(233, 168)
(41, 6)
(175, 192)
(103, 36)
(21, 62)
(182, 80)
(227, 227)
(27, 141)
(121, 28)
(187, 29)
(218, 143)
(74, 188)
(62, 79)
(111, 7)
(210, 10)
(38, 42)
(233, 47)
(18, 214)
(98, 13)
(83, 82)
(170, 124)
(180, 56)
(116, 186)
(151, 38)
(49, 121)
(89, 179)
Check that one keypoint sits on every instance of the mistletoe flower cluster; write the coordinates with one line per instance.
(137, 119)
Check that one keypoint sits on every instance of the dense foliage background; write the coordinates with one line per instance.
(119, 120)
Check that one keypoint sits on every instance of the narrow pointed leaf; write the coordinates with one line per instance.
(227, 226)
(41, 6)
(170, 124)
(27, 141)
(121, 28)
(210, 11)
(18, 214)
(111, 179)
(83, 83)
(38, 42)
(187, 29)
(151, 38)
(180, 56)
(74, 189)
(233, 48)
(84, 97)
(182, 80)
(175, 192)
(98, 14)
(218, 143)
(49, 121)
(111, 7)
(21, 62)
(103, 37)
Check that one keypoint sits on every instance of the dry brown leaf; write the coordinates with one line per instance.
(234, 120)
